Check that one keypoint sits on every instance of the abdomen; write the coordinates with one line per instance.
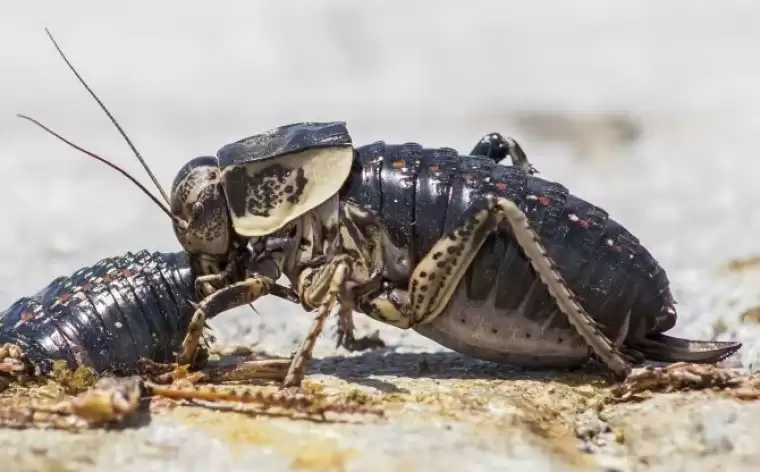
(501, 310)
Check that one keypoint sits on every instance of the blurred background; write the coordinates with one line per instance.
(649, 109)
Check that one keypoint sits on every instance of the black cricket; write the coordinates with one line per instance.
(481, 256)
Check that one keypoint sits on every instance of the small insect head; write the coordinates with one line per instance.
(198, 203)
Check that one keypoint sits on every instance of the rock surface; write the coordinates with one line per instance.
(647, 109)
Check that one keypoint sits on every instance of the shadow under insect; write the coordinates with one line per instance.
(386, 362)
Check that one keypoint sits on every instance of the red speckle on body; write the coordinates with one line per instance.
(500, 185)
(398, 164)
(545, 201)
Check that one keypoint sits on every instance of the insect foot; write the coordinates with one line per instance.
(681, 376)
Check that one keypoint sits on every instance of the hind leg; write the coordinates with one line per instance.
(602, 346)
(436, 277)
(497, 147)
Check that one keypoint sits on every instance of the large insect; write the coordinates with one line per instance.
(487, 259)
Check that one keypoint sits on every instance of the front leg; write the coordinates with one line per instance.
(497, 147)
(436, 277)
(224, 299)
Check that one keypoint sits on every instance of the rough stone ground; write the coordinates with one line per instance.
(647, 109)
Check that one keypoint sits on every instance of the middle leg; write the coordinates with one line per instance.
(327, 283)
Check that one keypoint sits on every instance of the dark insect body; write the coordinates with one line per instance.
(500, 310)
(107, 316)
(485, 258)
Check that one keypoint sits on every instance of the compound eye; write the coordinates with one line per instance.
(197, 211)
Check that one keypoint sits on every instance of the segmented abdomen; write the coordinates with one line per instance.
(108, 315)
(419, 194)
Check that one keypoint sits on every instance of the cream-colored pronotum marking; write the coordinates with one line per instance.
(325, 169)
(563, 296)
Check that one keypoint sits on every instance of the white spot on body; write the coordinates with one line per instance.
(573, 217)
(118, 324)
(531, 197)
(610, 242)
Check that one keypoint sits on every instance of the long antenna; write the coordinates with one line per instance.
(177, 220)
(113, 120)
